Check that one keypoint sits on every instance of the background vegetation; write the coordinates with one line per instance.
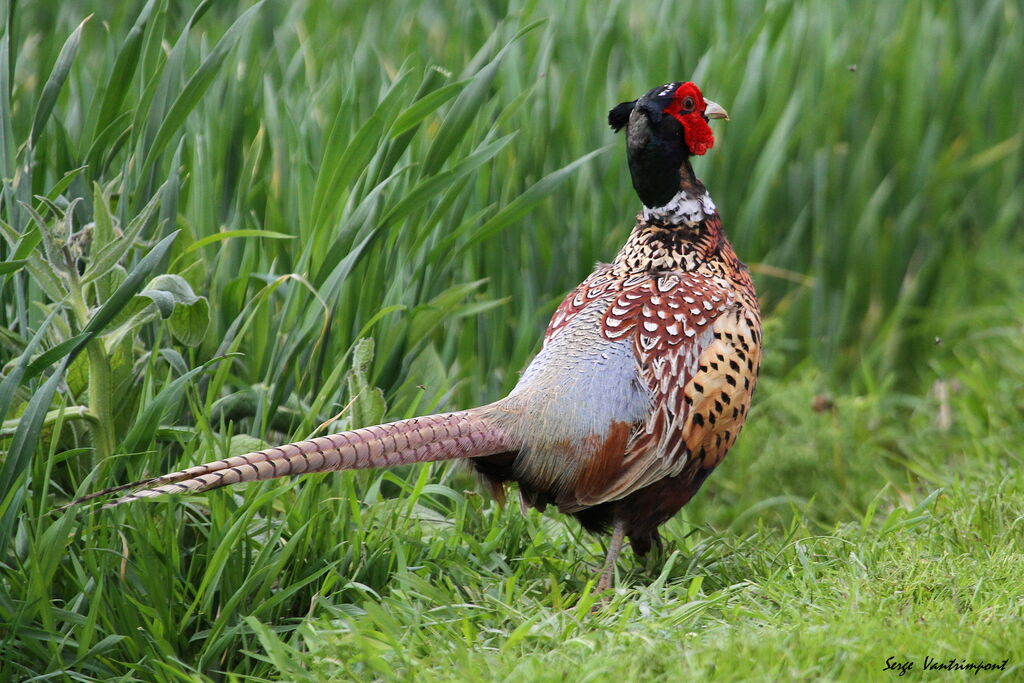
(230, 223)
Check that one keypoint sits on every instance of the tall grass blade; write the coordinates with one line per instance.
(145, 425)
(16, 375)
(197, 86)
(15, 470)
(456, 122)
(8, 148)
(55, 82)
(122, 72)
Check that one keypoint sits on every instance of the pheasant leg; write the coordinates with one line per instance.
(608, 572)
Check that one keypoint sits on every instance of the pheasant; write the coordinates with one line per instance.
(639, 390)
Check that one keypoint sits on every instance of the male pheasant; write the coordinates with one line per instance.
(641, 386)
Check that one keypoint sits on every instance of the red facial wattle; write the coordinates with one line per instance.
(696, 131)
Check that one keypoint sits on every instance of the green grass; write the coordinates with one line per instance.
(202, 218)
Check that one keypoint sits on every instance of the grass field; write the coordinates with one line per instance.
(229, 224)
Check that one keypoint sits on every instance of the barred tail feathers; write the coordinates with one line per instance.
(463, 434)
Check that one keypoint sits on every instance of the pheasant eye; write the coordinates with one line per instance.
(688, 103)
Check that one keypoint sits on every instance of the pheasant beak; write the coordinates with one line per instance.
(713, 110)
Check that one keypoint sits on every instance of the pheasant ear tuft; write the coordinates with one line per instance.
(619, 116)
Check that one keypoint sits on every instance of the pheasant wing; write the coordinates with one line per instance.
(698, 357)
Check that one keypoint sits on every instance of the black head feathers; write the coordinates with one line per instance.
(619, 116)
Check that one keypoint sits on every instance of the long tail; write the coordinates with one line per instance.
(463, 434)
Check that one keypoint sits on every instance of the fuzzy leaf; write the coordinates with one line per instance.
(189, 322)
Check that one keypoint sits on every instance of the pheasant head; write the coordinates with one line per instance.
(663, 129)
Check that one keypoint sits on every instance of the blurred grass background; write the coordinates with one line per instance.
(229, 223)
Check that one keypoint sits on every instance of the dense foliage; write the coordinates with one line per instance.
(231, 223)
